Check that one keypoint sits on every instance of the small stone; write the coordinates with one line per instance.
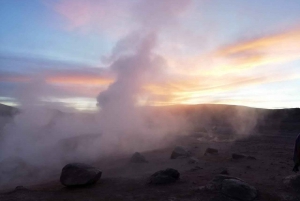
(224, 171)
(196, 168)
(251, 158)
(180, 152)
(238, 156)
(211, 151)
(193, 160)
(201, 188)
(20, 188)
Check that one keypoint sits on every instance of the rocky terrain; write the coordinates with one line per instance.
(216, 161)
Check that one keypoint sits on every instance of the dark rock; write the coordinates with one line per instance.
(224, 171)
(238, 156)
(79, 174)
(196, 168)
(238, 189)
(138, 158)
(193, 160)
(251, 158)
(216, 182)
(211, 151)
(20, 188)
(180, 152)
(164, 176)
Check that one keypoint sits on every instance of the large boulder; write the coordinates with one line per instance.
(164, 176)
(238, 189)
(79, 174)
(180, 152)
(138, 158)
(216, 183)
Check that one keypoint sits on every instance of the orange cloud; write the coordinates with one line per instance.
(241, 57)
(195, 92)
(269, 50)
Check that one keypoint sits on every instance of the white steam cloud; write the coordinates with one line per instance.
(40, 139)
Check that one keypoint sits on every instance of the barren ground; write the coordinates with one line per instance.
(122, 180)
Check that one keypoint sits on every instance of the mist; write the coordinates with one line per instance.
(43, 137)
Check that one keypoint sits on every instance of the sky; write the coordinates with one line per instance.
(64, 52)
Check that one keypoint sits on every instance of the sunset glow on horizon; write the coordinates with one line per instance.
(67, 52)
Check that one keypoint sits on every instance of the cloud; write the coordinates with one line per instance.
(157, 14)
(184, 76)
(190, 80)
(119, 18)
(100, 16)
(274, 49)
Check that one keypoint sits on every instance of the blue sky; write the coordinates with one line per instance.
(205, 44)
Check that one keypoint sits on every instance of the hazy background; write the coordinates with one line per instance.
(241, 52)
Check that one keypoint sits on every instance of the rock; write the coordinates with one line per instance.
(238, 156)
(138, 158)
(292, 181)
(20, 188)
(172, 199)
(216, 183)
(224, 171)
(180, 152)
(211, 151)
(193, 160)
(238, 189)
(201, 188)
(79, 174)
(164, 176)
(251, 158)
(196, 168)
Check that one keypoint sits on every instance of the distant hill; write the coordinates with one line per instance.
(7, 110)
(265, 120)
(215, 115)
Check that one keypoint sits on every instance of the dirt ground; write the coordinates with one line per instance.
(122, 180)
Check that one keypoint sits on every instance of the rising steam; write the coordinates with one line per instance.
(40, 139)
